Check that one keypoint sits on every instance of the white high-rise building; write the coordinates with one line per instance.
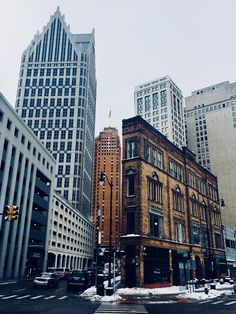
(211, 133)
(26, 180)
(57, 98)
(160, 103)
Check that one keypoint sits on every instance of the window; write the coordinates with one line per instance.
(196, 232)
(180, 232)
(175, 170)
(16, 133)
(9, 124)
(130, 223)
(131, 148)
(202, 210)
(156, 223)
(154, 189)
(218, 242)
(194, 206)
(178, 199)
(130, 182)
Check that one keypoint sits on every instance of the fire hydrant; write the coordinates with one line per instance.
(206, 289)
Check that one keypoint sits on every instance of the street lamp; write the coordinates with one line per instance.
(101, 182)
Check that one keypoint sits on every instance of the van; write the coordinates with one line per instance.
(62, 272)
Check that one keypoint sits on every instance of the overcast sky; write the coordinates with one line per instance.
(136, 41)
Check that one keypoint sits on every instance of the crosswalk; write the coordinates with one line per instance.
(224, 302)
(109, 308)
(31, 297)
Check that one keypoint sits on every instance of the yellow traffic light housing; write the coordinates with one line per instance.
(7, 212)
(14, 212)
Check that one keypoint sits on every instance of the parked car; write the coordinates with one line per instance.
(63, 273)
(49, 280)
(78, 280)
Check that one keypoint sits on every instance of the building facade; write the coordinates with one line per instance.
(26, 180)
(70, 236)
(56, 97)
(171, 217)
(108, 160)
(160, 103)
(230, 250)
(211, 132)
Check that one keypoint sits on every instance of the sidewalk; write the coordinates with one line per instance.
(13, 280)
(175, 293)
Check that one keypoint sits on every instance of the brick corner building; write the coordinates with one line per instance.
(171, 219)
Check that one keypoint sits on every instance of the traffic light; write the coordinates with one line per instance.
(7, 212)
(14, 212)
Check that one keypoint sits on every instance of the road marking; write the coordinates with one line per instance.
(23, 297)
(120, 309)
(62, 298)
(10, 297)
(207, 301)
(1, 295)
(18, 290)
(218, 302)
(51, 297)
(37, 297)
(59, 289)
(229, 303)
(7, 283)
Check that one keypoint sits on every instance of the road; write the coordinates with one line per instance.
(21, 298)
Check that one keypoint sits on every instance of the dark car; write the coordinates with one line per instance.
(49, 280)
(78, 280)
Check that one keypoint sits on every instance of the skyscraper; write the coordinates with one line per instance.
(108, 160)
(160, 103)
(211, 131)
(57, 98)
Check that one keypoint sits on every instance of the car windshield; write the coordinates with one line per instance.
(78, 274)
(45, 275)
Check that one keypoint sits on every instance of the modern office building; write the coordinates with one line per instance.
(26, 181)
(171, 216)
(160, 103)
(108, 160)
(70, 237)
(56, 98)
(211, 133)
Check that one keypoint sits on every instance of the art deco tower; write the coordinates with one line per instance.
(108, 160)
(57, 98)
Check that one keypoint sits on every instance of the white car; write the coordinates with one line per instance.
(49, 280)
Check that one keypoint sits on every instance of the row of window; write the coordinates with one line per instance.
(199, 234)
(30, 148)
(155, 157)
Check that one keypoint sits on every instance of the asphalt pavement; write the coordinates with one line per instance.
(22, 298)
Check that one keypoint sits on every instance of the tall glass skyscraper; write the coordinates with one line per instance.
(57, 98)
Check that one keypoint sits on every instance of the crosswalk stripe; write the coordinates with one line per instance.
(10, 297)
(62, 298)
(23, 297)
(51, 297)
(1, 295)
(229, 303)
(218, 302)
(37, 297)
(207, 301)
(120, 309)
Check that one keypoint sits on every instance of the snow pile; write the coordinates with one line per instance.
(150, 292)
(203, 296)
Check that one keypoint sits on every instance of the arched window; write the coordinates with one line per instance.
(130, 179)
(194, 206)
(178, 199)
(154, 189)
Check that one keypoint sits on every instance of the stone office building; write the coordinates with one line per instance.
(171, 218)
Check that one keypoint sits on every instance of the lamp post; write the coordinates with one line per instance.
(101, 182)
